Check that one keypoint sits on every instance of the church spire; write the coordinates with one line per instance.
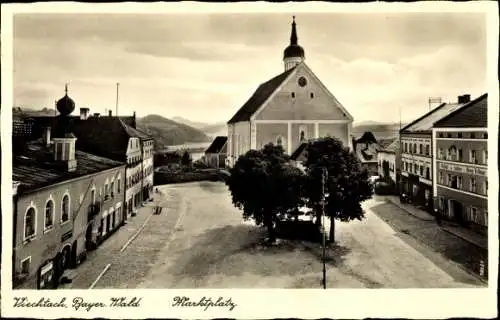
(293, 37)
(293, 54)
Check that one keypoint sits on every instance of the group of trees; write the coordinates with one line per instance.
(268, 187)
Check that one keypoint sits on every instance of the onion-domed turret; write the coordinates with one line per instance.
(294, 53)
(65, 105)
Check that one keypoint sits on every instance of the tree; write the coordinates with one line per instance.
(346, 182)
(186, 159)
(266, 186)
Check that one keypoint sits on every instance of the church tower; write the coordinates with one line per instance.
(293, 54)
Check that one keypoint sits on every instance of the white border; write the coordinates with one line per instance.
(339, 303)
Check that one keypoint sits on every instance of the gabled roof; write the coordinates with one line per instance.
(391, 148)
(217, 145)
(34, 167)
(134, 132)
(472, 115)
(425, 122)
(262, 93)
(298, 152)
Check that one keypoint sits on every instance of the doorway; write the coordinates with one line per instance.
(456, 211)
(74, 255)
(88, 237)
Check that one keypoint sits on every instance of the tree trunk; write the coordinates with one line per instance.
(331, 238)
(268, 221)
(319, 213)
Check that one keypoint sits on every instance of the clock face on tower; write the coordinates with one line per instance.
(302, 81)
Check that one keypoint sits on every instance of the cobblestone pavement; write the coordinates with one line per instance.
(201, 241)
(430, 235)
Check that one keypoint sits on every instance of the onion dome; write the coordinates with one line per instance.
(293, 50)
(65, 105)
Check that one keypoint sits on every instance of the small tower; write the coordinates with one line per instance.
(293, 54)
(64, 139)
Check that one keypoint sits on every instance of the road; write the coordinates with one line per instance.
(201, 241)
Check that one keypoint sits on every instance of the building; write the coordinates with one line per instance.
(66, 202)
(215, 155)
(366, 149)
(117, 140)
(416, 154)
(460, 172)
(389, 162)
(288, 109)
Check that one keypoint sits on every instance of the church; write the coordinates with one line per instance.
(287, 110)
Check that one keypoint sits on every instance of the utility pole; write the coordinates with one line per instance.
(324, 176)
(117, 85)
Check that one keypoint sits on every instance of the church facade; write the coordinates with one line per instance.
(287, 110)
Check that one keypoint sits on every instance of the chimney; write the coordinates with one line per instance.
(96, 114)
(464, 98)
(46, 136)
(110, 113)
(84, 113)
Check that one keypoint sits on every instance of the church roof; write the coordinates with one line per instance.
(259, 97)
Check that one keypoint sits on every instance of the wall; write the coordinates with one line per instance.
(269, 132)
(337, 130)
(47, 243)
(283, 106)
(391, 159)
(239, 139)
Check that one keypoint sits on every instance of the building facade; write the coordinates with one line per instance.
(416, 155)
(66, 202)
(461, 165)
(287, 110)
(216, 153)
(389, 160)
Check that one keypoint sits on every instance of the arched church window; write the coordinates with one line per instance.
(279, 141)
(302, 135)
(29, 223)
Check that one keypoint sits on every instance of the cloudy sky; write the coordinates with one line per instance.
(203, 67)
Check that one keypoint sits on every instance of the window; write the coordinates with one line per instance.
(112, 189)
(485, 135)
(106, 190)
(441, 135)
(454, 182)
(427, 173)
(472, 156)
(449, 135)
(406, 147)
(459, 182)
(427, 150)
(293, 95)
(440, 153)
(302, 135)
(421, 150)
(29, 223)
(279, 141)
(472, 135)
(460, 155)
(453, 153)
(422, 171)
(473, 185)
(485, 157)
(414, 148)
(65, 209)
(473, 214)
(92, 196)
(25, 265)
(312, 95)
(49, 214)
(448, 180)
(459, 134)
(441, 178)
(485, 187)
(118, 187)
(441, 203)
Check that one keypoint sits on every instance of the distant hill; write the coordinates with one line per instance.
(167, 132)
(210, 129)
(381, 131)
(33, 112)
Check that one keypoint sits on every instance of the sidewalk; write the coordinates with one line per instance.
(466, 234)
(461, 232)
(420, 214)
(83, 275)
